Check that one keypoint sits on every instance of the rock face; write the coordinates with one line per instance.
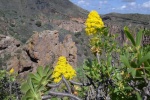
(8, 47)
(43, 49)
(8, 44)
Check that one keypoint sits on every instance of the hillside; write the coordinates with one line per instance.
(135, 22)
(19, 18)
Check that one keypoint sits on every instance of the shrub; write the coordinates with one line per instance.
(38, 23)
(9, 87)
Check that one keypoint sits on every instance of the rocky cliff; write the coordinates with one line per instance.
(41, 49)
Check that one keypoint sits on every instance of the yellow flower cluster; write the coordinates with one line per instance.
(63, 68)
(93, 22)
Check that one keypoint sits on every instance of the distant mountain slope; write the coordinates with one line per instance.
(48, 7)
(141, 19)
(20, 17)
(116, 22)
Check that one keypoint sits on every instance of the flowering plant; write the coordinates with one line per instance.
(117, 72)
(93, 23)
(63, 68)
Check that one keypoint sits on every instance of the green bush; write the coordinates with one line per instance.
(9, 87)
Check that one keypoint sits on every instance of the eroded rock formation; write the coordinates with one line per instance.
(42, 49)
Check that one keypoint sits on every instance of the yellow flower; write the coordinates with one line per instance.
(93, 22)
(11, 71)
(56, 80)
(63, 68)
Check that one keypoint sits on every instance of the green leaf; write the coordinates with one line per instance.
(24, 98)
(103, 69)
(139, 38)
(125, 61)
(133, 72)
(129, 35)
(37, 76)
(49, 73)
(46, 70)
(105, 31)
(40, 70)
(25, 87)
(119, 76)
(110, 68)
(34, 76)
(29, 94)
(138, 96)
(147, 67)
(30, 84)
(88, 73)
(145, 58)
(109, 60)
(128, 88)
(86, 68)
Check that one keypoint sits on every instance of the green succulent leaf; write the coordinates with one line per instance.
(25, 87)
(46, 70)
(40, 70)
(139, 38)
(30, 84)
(129, 35)
(30, 94)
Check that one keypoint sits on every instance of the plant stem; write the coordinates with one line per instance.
(81, 84)
(54, 85)
(64, 94)
(67, 85)
(97, 55)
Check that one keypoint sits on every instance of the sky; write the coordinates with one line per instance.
(117, 6)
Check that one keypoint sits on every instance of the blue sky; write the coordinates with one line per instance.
(118, 6)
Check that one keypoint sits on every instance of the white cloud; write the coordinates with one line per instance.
(146, 4)
(103, 2)
(113, 8)
(123, 7)
(82, 2)
(132, 4)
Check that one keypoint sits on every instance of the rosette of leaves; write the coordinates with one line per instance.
(35, 86)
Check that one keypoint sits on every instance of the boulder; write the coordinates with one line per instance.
(43, 48)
